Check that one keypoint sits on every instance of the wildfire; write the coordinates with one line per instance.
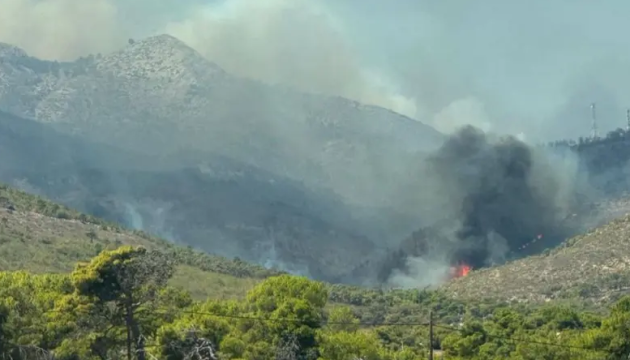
(460, 270)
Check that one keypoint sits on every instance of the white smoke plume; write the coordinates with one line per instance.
(60, 29)
(466, 111)
(293, 42)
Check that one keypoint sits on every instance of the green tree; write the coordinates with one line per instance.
(342, 318)
(344, 345)
(294, 309)
(130, 280)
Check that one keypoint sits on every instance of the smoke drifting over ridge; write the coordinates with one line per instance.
(496, 196)
(292, 42)
(420, 58)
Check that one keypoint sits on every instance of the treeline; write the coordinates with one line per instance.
(120, 306)
(584, 142)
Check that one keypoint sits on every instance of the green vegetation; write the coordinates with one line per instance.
(134, 296)
(119, 305)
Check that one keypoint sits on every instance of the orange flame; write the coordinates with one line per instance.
(460, 270)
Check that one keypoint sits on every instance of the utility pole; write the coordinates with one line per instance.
(628, 120)
(594, 132)
(431, 335)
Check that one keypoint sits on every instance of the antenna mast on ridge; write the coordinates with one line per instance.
(594, 133)
(628, 120)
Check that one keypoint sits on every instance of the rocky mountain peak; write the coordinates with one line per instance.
(11, 51)
(157, 58)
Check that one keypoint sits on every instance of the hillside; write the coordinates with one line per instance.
(41, 236)
(592, 268)
(219, 205)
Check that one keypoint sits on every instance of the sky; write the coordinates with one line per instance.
(528, 68)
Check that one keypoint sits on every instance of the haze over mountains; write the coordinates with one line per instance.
(158, 137)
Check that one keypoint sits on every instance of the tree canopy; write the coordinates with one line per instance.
(120, 306)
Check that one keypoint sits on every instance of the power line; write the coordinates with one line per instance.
(258, 318)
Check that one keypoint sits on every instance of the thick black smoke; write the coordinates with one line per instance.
(497, 198)
(502, 196)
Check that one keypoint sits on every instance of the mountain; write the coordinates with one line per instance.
(26, 145)
(156, 137)
(158, 96)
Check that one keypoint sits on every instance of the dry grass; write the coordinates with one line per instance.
(31, 241)
(205, 284)
(37, 243)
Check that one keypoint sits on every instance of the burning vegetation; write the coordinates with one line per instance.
(460, 270)
(498, 197)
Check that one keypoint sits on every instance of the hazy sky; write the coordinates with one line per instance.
(511, 66)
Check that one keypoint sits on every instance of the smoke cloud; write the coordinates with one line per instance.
(60, 29)
(502, 189)
(496, 197)
(293, 42)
